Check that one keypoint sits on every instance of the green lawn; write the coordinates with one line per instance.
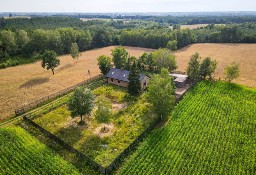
(211, 131)
(126, 125)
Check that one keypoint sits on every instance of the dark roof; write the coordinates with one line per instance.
(120, 74)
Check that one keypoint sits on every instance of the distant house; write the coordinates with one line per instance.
(180, 80)
(119, 77)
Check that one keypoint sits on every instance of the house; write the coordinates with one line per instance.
(119, 77)
(180, 80)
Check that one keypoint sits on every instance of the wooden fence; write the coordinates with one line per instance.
(37, 103)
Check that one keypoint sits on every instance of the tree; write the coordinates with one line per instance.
(50, 60)
(74, 51)
(193, 67)
(134, 86)
(104, 63)
(22, 38)
(81, 103)
(8, 42)
(176, 27)
(231, 71)
(120, 56)
(172, 45)
(161, 93)
(207, 67)
(164, 58)
(104, 109)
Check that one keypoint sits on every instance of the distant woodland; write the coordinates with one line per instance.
(23, 40)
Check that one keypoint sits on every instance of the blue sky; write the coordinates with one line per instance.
(126, 5)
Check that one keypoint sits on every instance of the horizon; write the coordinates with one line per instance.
(127, 6)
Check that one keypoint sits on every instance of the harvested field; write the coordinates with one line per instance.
(195, 26)
(244, 54)
(26, 83)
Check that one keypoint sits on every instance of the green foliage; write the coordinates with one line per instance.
(74, 51)
(81, 102)
(211, 131)
(134, 86)
(172, 45)
(194, 67)
(21, 153)
(50, 60)
(164, 58)
(231, 72)
(104, 63)
(120, 57)
(161, 93)
(104, 109)
(112, 93)
(207, 68)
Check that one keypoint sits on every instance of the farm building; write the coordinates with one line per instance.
(119, 77)
(180, 80)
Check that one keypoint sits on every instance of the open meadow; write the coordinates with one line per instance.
(26, 83)
(244, 54)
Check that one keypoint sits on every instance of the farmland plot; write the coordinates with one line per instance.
(211, 131)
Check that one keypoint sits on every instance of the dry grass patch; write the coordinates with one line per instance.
(244, 54)
(26, 83)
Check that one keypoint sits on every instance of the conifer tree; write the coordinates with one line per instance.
(134, 86)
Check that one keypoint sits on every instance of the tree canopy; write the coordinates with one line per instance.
(193, 67)
(134, 86)
(231, 71)
(120, 57)
(81, 103)
(161, 93)
(104, 63)
(74, 51)
(164, 58)
(50, 60)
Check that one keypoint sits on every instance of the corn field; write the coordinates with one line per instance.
(211, 131)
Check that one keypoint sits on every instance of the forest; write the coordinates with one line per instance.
(23, 40)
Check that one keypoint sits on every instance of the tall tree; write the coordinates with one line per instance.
(134, 86)
(172, 45)
(74, 51)
(104, 63)
(8, 42)
(164, 58)
(207, 67)
(50, 60)
(231, 71)
(22, 39)
(161, 93)
(193, 67)
(81, 103)
(120, 56)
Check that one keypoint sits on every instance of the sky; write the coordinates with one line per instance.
(126, 5)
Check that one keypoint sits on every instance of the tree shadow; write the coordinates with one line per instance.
(92, 145)
(70, 135)
(65, 67)
(34, 82)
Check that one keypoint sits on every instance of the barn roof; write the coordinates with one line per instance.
(122, 75)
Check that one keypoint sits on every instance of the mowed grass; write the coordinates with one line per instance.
(211, 131)
(244, 54)
(20, 153)
(26, 83)
(129, 119)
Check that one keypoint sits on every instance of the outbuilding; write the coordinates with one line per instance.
(180, 80)
(119, 77)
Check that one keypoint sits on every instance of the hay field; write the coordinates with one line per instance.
(26, 83)
(244, 54)
(195, 26)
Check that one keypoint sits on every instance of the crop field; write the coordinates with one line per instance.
(26, 83)
(20, 153)
(195, 26)
(211, 131)
(244, 54)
